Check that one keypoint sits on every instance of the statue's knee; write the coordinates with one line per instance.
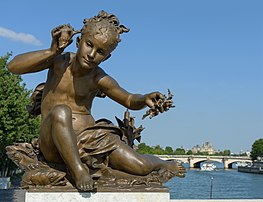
(61, 113)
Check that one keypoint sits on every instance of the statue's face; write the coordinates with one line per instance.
(94, 46)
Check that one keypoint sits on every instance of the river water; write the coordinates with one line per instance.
(217, 184)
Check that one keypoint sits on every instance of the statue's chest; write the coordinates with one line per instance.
(76, 87)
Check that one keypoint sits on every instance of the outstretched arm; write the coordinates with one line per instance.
(39, 60)
(131, 101)
(31, 62)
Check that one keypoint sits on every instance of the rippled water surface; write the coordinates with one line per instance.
(220, 184)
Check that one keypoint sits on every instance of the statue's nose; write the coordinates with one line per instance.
(92, 54)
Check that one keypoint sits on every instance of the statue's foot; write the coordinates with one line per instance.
(177, 168)
(83, 180)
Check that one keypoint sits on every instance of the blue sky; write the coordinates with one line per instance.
(209, 53)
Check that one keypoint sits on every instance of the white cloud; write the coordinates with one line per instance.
(22, 37)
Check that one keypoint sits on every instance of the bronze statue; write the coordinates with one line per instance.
(69, 135)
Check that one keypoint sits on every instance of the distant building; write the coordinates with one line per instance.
(196, 149)
(206, 147)
(247, 153)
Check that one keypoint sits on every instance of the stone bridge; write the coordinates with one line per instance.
(195, 160)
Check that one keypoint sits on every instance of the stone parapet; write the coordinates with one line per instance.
(97, 196)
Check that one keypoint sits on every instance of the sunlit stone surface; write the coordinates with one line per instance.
(99, 196)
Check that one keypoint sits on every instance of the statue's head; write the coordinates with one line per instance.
(104, 27)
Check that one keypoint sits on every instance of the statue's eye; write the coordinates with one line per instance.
(89, 44)
(101, 52)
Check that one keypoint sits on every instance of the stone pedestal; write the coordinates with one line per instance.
(97, 196)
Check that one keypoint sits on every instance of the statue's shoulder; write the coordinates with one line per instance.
(64, 59)
(65, 56)
(100, 73)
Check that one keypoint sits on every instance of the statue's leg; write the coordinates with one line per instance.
(58, 142)
(128, 160)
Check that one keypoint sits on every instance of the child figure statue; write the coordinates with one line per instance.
(69, 133)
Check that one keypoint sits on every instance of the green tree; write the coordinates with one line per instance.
(203, 153)
(226, 152)
(179, 151)
(144, 149)
(189, 152)
(16, 125)
(158, 150)
(168, 150)
(257, 149)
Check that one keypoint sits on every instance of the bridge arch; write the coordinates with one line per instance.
(228, 163)
(197, 164)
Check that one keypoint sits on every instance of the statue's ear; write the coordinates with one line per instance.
(77, 41)
(106, 58)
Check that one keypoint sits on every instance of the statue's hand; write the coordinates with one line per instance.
(62, 37)
(152, 100)
(158, 103)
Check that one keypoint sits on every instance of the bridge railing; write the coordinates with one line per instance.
(203, 156)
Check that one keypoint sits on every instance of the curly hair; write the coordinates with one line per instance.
(104, 24)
